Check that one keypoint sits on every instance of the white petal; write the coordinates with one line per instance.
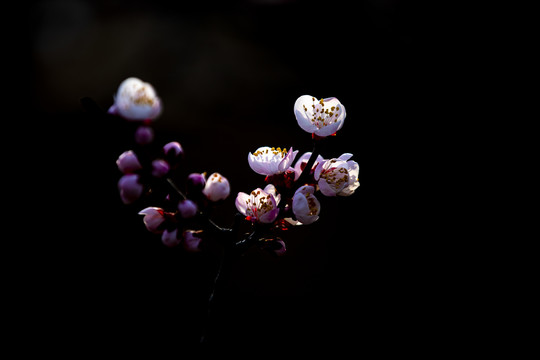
(328, 129)
(301, 205)
(345, 156)
(255, 165)
(319, 169)
(304, 120)
(332, 101)
(306, 189)
(349, 190)
(354, 169)
(271, 189)
(240, 202)
(287, 160)
(325, 188)
(341, 118)
(149, 211)
(269, 216)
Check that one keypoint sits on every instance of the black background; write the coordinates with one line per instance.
(366, 275)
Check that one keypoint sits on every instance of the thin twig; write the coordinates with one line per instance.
(211, 297)
(175, 188)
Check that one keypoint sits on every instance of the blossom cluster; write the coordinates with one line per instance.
(290, 196)
(333, 177)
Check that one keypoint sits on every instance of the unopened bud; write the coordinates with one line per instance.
(195, 182)
(169, 238)
(144, 135)
(217, 187)
(160, 168)
(128, 162)
(192, 240)
(130, 188)
(187, 208)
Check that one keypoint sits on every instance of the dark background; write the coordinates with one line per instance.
(228, 73)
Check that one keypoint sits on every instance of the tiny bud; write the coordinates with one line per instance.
(128, 162)
(169, 238)
(130, 188)
(192, 240)
(173, 149)
(187, 208)
(195, 182)
(160, 168)
(144, 135)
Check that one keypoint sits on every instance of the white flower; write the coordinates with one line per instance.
(305, 206)
(136, 100)
(217, 187)
(338, 176)
(320, 117)
(270, 161)
(260, 205)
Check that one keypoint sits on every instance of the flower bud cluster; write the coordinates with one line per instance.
(178, 217)
(137, 178)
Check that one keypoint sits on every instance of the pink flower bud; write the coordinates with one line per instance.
(169, 238)
(187, 208)
(144, 135)
(195, 182)
(192, 240)
(217, 187)
(130, 188)
(173, 149)
(160, 168)
(154, 217)
(128, 162)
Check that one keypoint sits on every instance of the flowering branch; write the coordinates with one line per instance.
(182, 217)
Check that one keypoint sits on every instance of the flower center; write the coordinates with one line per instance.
(258, 204)
(269, 153)
(312, 204)
(336, 177)
(321, 116)
(141, 95)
